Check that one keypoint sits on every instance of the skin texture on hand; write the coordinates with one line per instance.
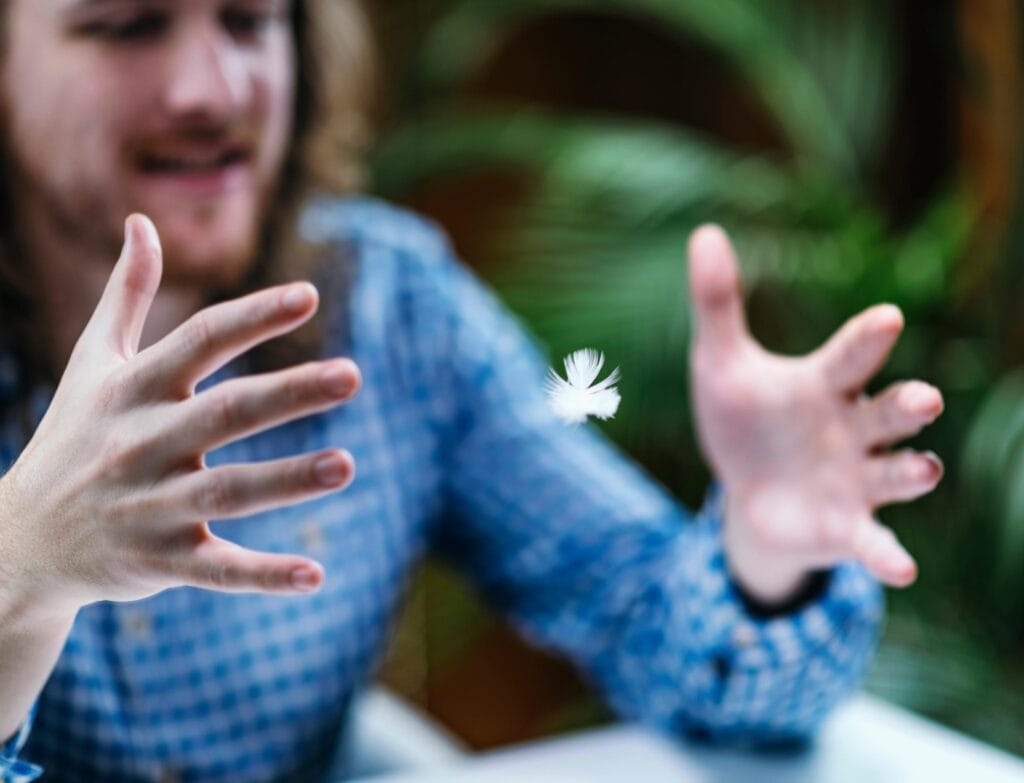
(805, 457)
(111, 497)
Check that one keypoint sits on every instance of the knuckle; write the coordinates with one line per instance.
(220, 410)
(268, 309)
(108, 394)
(153, 255)
(901, 468)
(227, 575)
(892, 476)
(117, 454)
(905, 472)
(121, 515)
(304, 474)
(213, 496)
(116, 388)
(220, 574)
(889, 421)
(129, 378)
(265, 579)
(299, 389)
(250, 314)
(132, 512)
(198, 334)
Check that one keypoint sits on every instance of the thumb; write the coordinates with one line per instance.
(122, 310)
(715, 292)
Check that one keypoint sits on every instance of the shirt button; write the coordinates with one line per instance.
(744, 635)
(137, 624)
(312, 537)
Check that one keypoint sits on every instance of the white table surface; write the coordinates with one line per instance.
(866, 741)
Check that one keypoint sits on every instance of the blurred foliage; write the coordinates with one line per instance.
(591, 254)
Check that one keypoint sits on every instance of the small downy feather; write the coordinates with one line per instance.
(575, 399)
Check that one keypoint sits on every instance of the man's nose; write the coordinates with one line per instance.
(208, 77)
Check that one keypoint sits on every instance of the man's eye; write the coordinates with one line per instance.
(247, 24)
(136, 28)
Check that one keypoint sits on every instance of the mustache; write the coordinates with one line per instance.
(205, 134)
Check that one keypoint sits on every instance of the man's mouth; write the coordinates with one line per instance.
(193, 162)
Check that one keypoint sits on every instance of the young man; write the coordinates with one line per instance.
(126, 427)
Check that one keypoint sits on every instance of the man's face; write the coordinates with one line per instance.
(181, 109)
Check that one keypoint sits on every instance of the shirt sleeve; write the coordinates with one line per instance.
(590, 558)
(11, 769)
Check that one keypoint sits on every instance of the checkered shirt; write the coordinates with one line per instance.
(457, 455)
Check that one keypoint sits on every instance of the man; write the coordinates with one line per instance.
(746, 625)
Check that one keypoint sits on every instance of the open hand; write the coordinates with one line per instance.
(804, 455)
(111, 497)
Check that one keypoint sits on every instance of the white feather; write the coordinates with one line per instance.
(575, 399)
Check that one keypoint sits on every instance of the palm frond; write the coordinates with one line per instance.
(831, 108)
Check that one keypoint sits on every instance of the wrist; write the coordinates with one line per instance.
(30, 595)
(768, 574)
(22, 606)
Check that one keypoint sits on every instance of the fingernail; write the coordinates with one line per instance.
(145, 224)
(297, 298)
(330, 470)
(305, 579)
(337, 379)
(149, 229)
(936, 465)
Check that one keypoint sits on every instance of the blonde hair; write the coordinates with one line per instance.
(336, 80)
(335, 84)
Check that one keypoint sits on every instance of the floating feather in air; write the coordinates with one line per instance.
(574, 399)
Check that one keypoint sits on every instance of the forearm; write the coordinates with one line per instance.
(31, 640)
(672, 642)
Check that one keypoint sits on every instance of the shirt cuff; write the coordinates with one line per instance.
(846, 595)
(771, 678)
(11, 769)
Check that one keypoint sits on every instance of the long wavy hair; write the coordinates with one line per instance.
(335, 78)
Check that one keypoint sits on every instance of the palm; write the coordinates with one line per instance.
(799, 449)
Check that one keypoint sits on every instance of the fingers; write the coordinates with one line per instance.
(240, 490)
(881, 553)
(902, 476)
(124, 305)
(242, 406)
(221, 565)
(715, 291)
(853, 355)
(899, 412)
(217, 334)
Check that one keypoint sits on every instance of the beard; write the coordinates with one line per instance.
(195, 253)
(192, 260)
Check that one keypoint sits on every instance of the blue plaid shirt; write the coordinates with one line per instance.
(458, 455)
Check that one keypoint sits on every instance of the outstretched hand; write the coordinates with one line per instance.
(805, 457)
(111, 497)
